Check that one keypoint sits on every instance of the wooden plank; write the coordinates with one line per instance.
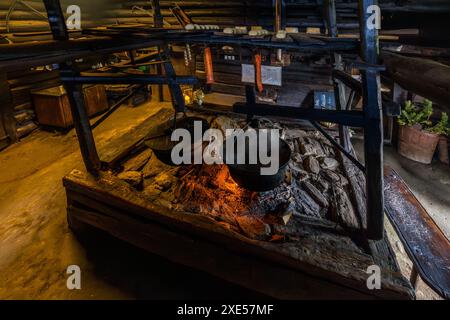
(273, 280)
(119, 148)
(381, 250)
(426, 77)
(424, 242)
(83, 127)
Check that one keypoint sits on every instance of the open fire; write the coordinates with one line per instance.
(314, 187)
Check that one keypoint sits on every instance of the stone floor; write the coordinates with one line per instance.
(36, 246)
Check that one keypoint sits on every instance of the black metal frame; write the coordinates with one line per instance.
(369, 88)
(370, 118)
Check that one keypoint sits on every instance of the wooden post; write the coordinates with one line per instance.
(373, 130)
(250, 96)
(336, 58)
(280, 15)
(7, 111)
(158, 22)
(175, 89)
(158, 19)
(74, 92)
(83, 128)
(56, 20)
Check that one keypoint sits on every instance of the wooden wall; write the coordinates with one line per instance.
(301, 13)
(398, 13)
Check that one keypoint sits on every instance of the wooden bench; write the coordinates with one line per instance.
(424, 242)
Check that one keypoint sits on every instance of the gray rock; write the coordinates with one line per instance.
(307, 149)
(164, 180)
(133, 178)
(298, 172)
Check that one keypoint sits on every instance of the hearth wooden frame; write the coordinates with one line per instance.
(111, 205)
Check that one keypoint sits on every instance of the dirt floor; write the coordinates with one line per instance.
(36, 246)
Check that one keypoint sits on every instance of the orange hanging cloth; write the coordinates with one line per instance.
(209, 66)
(258, 72)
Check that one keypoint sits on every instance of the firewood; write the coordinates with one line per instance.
(335, 178)
(317, 147)
(321, 184)
(342, 209)
(297, 158)
(306, 149)
(330, 164)
(298, 172)
(296, 146)
(312, 165)
(221, 177)
(315, 194)
(253, 228)
(305, 204)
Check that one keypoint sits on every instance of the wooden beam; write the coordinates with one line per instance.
(56, 20)
(82, 126)
(336, 58)
(7, 109)
(373, 130)
(15, 57)
(425, 77)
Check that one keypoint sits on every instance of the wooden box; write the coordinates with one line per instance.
(95, 99)
(53, 108)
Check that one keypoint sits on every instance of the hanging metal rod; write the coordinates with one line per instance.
(338, 146)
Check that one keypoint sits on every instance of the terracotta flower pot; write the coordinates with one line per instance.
(417, 144)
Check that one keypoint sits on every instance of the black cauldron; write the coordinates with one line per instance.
(249, 176)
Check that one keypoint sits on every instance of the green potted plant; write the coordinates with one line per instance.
(442, 129)
(416, 141)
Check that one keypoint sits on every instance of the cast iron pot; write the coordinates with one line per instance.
(249, 176)
(162, 145)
